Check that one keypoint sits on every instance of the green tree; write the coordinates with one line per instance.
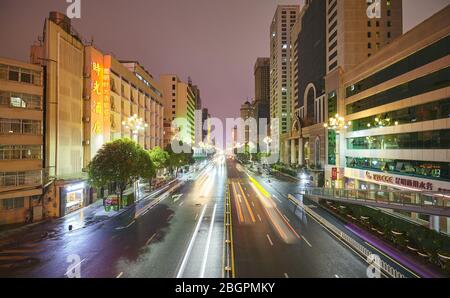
(178, 160)
(160, 158)
(120, 163)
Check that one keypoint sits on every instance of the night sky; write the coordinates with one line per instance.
(216, 42)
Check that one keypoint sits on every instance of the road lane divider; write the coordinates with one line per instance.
(191, 243)
(229, 267)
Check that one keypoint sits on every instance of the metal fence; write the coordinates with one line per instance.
(404, 198)
(361, 249)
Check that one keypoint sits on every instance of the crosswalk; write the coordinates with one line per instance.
(19, 256)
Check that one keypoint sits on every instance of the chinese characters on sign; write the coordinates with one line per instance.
(97, 98)
(406, 182)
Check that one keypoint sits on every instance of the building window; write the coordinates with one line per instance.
(415, 114)
(434, 81)
(10, 204)
(421, 169)
(424, 140)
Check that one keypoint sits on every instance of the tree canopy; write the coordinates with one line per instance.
(159, 157)
(120, 163)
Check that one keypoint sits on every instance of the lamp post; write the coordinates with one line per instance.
(136, 125)
(337, 124)
(250, 147)
(268, 141)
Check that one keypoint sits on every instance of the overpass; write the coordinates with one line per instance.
(424, 202)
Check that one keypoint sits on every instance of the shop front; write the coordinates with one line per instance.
(73, 197)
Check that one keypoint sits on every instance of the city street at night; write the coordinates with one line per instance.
(224, 147)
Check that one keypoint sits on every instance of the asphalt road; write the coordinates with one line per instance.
(173, 237)
(182, 234)
(272, 239)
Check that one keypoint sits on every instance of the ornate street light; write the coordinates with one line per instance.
(337, 123)
(135, 124)
(268, 141)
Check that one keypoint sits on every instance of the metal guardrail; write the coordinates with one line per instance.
(427, 202)
(359, 248)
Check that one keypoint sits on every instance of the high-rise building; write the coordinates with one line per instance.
(179, 103)
(280, 72)
(247, 112)
(262, 95)
(352, 38)
(21, 142)
(62, 55)
(304, 144)
(262, 80)
(398, 102)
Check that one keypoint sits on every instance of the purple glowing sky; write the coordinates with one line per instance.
(216, 42)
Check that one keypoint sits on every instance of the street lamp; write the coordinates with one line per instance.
(337, 123)
(268, 141)
(135, 124)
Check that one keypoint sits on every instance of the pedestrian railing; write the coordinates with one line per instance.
(358, 247)
(427, 202)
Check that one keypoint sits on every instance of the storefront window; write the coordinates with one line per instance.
(427, 112)
(422, 169)
(438, 139)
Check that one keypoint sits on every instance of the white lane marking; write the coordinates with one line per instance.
(286, 275)
(74, 266)
(208, 243)
(270, 240)
(177, 197)
(275, 197)
(191, 243)
(120, 275)
(150, 239)
(307, 242)
(337, 276)
(259, 217)
(181, 204)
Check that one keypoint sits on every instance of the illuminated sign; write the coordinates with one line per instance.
(405, 182)
(75, 187)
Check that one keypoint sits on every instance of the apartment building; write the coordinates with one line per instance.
(179, 99)
(280, 72)
(398, 102)
(22, 172)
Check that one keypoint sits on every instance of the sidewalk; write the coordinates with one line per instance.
(86, 216)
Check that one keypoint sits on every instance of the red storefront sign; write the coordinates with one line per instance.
(334, 174)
